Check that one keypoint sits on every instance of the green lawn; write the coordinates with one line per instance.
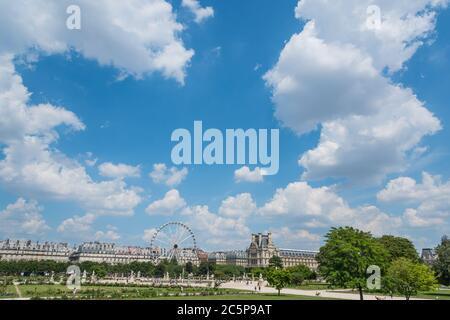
(143, 293)
(435, 295)
(441, 294)
(312, 286)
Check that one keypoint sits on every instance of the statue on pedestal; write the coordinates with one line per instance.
(131, 278)
(93, 277)
(84, 277)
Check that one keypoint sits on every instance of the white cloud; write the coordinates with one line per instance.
(34, 166)
(217, 231)
(169, 205)
(244, 174)
(242, 205)
(90, 161)
(81, 228)
(119, 171)
(406, 189)
(229, 226)
(78, 225)
(170, 177)
(200, 13)
(137, 37)
(22, 218)
(148, 235)
(416, 219)
(109, 235)
(319, 207)
(295, 238)
(333, 74)
(428, 203)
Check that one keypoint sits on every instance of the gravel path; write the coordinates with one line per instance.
(309, 293)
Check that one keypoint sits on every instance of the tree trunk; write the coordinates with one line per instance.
(279, 292)
(361, 295)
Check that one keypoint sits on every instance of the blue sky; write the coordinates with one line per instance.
(244, 59)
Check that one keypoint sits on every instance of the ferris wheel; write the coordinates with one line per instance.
(173, 240)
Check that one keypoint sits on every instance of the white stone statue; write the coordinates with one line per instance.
(84, 277)
(93, 277)
(131, 278)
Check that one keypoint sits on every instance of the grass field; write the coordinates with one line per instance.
(152, 293)
(312, 286)
(144, 293)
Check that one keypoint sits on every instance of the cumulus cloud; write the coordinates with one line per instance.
(333, 75)
(110, 234)
(170, 204)
(82, 228)
(119, 171)
(428, 202)
(22, 218)
(212, 229)
(77, 225)
(241, 205)
(170, 177)
(137, 37)
(148, 235)
(245, 174)
(319, 207)
(295, 238)
(215, 230)
(33, 165)
(200, 13)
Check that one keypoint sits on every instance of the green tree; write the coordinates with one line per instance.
(160, 270)
(299, 274)
(205, 267)
(398, 247)
(407, 278)
(275, 262)
(442, 263)
(347, 254)
(189, 267)
(278, 278)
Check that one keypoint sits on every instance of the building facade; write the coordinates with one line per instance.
(292, 258)
(429, 256)
(262, 249)
(112, 254)
(17, 250)
(237, 258)
(219, 258)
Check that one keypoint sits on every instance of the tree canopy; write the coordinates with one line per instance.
(408, 277)
(442, 263)
(347, 254)
(275, 262)
(278, 278)
(398, 247)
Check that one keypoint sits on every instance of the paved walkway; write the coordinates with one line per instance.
(19, 294)
(309, 293)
